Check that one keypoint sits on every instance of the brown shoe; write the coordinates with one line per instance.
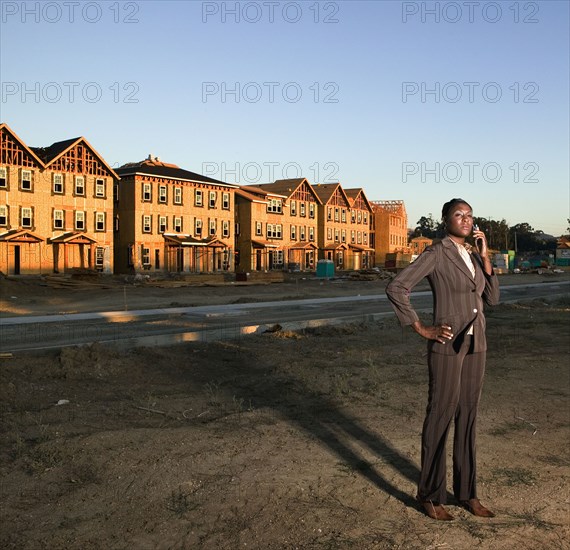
(435, 510)
(476, 508)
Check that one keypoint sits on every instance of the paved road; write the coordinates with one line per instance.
(221, 322)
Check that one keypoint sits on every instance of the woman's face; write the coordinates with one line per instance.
(460, 220)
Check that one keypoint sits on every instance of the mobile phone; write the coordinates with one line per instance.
(476, 228)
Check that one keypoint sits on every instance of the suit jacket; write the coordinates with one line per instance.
(458, 296)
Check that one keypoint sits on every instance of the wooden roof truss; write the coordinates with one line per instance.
(360, 203)
(12, 152)
(304, 193)
(80, 159)
(338, 199)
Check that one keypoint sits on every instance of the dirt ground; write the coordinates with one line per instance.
(34, 296)
(37, 297)
(285, 440)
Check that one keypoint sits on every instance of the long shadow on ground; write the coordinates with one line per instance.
(321, 417)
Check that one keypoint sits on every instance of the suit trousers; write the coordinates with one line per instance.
(455, 383)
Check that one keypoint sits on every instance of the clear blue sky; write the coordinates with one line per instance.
(346, 101)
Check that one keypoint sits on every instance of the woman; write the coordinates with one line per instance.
(461, 279)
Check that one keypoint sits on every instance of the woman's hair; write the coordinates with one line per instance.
(449, 205)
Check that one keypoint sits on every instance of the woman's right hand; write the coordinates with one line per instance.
(439, 333)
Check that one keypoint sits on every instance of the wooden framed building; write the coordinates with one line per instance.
(360, 250)
(418, 244)
(334, 224)
(278, 225)
(172, 220)
(390, 226)
(56, 207)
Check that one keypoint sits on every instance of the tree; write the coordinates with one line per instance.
(426, 227)
(521, 237)
(530, 240)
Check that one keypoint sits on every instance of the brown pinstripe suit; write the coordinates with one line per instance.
(456, 368)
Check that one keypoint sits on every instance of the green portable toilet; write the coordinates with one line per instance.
(325, 268)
